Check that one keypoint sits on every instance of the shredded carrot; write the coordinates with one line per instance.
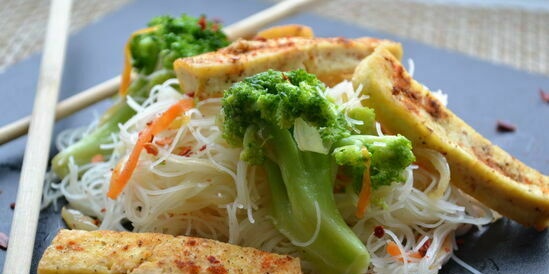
(127, 71)
(164, 141)
(120, 177)
(366, 190)
(151, 149)
(415, 254)
(393, 250)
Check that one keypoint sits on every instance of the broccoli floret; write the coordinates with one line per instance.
(278, 98)
(152, 54)
(387, 157)
(259, 114)
(174, 38)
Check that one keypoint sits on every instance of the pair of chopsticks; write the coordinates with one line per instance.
(45, 111)
(29, 193)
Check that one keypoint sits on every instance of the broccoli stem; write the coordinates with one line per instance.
(82, 151)
(300, 182)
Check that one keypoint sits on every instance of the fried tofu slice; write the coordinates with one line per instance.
(331, 59)
(292, 30)
(478, 167)
(77, 251)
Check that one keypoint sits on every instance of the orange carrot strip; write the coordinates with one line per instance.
(365, 191)
(120, 178)
(415, 254)
(127, 70)
(393, 250)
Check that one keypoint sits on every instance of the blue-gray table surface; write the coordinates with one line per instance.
(479, 92)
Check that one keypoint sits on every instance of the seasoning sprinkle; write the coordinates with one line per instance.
(505, 127)
(3, 241)
(379, 231)
(544, 96)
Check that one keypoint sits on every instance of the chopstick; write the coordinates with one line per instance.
(244, 28)
(29, 194)
(64, 108)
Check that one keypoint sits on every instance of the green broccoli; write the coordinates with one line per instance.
(387, 157)
(153, 54)
(174, 38)
(259, 114)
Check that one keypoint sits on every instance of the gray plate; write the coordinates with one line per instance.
(481, 93)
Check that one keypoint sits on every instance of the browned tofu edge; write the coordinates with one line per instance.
(102, 251)
(331, 59)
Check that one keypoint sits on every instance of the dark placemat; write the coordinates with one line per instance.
(481, 93)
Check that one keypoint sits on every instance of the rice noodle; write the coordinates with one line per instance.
(197, 185)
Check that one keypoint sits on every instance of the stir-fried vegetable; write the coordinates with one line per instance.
(152, 53)
(259, 115)
(121, 176)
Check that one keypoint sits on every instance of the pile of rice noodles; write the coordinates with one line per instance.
(196, 185)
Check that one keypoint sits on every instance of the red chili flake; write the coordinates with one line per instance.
(423, 249)
(190, 94)
(185, 151)
(505, 127)
(217, 269)
(379, 231)
(213, 260)
(202, 148)
(544, 96)
(151, 149)
(3, 241)
(164, 141)
(12, 205)
(141, 132)
(285, 77)
(202, 22)
(103, 210)
(187, 266)
(74, 246)
(148, 124)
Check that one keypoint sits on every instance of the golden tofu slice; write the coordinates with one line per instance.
(478, 167)
(331, 59)
(102, 252)
(292, 30)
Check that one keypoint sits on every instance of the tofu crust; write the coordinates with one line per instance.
(101, 251)
(478, 167)
(331, 59)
